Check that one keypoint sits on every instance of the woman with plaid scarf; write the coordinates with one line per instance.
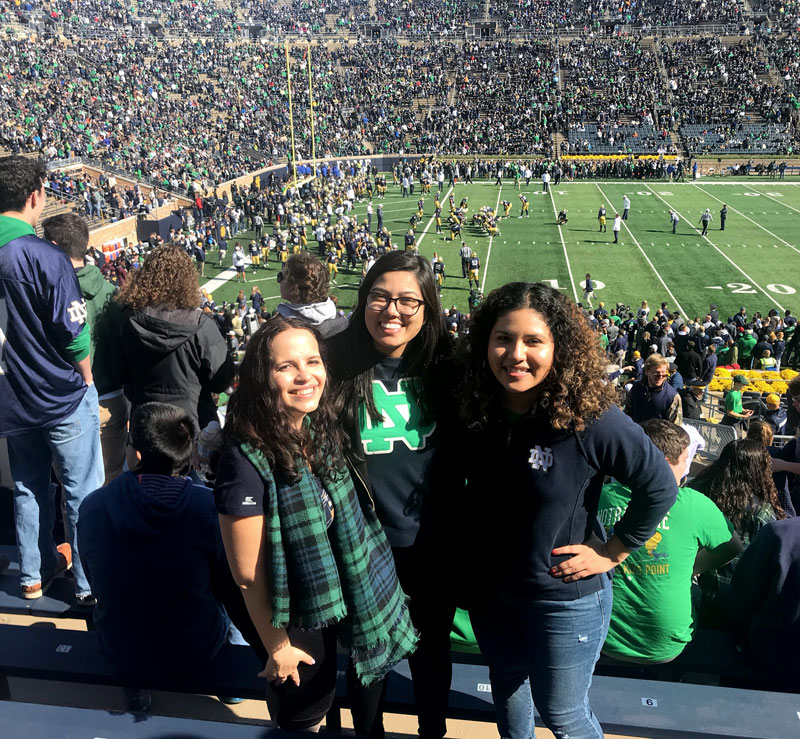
(312, 566)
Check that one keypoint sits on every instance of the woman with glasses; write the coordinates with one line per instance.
(391, 365)
(535, 403)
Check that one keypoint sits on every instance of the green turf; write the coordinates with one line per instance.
(755, 262)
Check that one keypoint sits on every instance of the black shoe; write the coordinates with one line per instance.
(138, 700)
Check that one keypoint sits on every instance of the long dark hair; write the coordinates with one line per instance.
(574, 392)
(430, 343)
(740, 481)
(256, 414)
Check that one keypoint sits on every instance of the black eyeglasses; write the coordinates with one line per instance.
(279, 278)
(405, 306)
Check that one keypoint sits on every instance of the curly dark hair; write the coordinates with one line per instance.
(255, 413)
(740, 481)
(574, 392)
(166, 278)
(306, 279)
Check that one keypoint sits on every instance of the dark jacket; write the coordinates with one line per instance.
(645, 402)
(765, 603)
(689, 364)
(691, 406)
(532, 489)
(152, 566)
(709, 367)
(102, 316)
(176, 357)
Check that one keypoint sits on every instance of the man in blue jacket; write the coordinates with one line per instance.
(49, 409)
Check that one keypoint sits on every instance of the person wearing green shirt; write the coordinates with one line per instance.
(745, 344)
(651, 618)
(734, 411)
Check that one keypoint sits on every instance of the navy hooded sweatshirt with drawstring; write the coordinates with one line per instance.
(154, 557)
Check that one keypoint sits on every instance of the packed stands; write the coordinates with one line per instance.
(548, 76)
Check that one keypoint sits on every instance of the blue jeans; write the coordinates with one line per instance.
(73, 447)
(543, 652)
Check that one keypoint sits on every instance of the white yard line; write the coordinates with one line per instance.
(780, 202)
(431, 219)
(647, 259)
(564, 246)
(697, 230)
(763, 228)
(223, 277)
(491, 238)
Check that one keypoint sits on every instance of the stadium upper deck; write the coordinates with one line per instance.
(184, 108)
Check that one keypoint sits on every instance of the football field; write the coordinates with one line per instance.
(754, 262)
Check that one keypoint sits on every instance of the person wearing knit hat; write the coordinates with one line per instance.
(691, 399)
(775, 416)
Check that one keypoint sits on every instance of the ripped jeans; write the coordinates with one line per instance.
(543, 652)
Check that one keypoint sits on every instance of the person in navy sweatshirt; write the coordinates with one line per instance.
(543, 430)
(153, 554)
(765, 600)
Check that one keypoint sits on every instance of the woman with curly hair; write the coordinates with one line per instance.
(740, 483)
(171, 352)
(540, 418)
(303, 285)
(312, 566)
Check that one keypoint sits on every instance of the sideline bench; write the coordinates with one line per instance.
(660, 710)
(34, 721)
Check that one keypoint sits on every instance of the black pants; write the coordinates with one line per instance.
(301, 707)
(432, 613)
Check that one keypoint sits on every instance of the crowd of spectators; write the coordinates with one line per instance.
(194, 113)
(784, 14)
(552, 15)
(608, 81)
(505, 100)
(661, 350)
(424, 18)
(302, 17)
(711, 81)
(558, 15)
(661, 13)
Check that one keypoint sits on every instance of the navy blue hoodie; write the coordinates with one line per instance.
(152, 566)
(765, 597)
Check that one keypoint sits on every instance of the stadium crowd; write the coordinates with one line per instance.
(205, 430)
(126, 356)
(227, 104)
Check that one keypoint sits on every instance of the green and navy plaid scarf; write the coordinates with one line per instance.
(344, 574)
